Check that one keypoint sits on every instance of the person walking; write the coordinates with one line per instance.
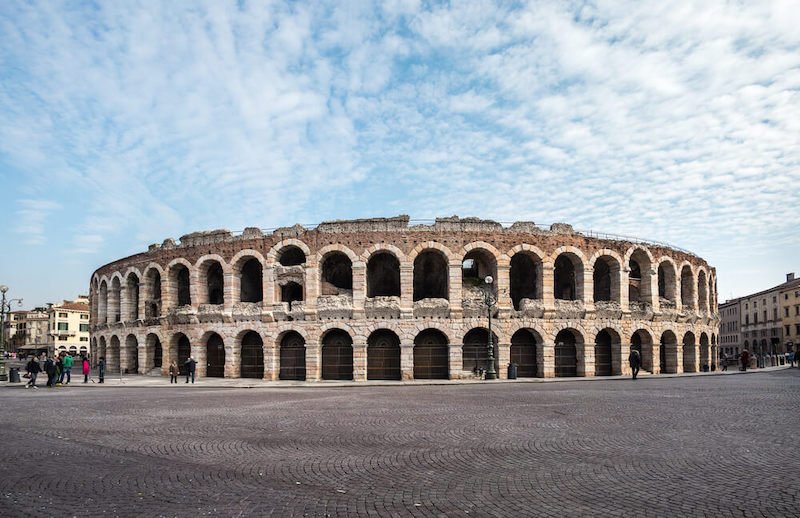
(33, 369)
(173, 372)
(101, 369)
(745, 359)
(50, 369)
(86, 369)
(59, 369)
(190, 365)
(724, 361)
(635, 360)
(68, 362)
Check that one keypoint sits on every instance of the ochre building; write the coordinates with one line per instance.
(385, 299)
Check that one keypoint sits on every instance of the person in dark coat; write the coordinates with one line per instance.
(50, 369)
(635, 359)
(33, 369)
(101, 369)
(190, 365)
(745, 359)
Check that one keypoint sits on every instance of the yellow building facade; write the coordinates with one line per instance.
(69, 326)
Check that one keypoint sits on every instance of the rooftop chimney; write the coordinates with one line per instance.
(789, 277)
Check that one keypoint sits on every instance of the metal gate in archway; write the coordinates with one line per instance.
(566, 360)
(431, 356)
(184, 351)
(293, 358)
(252, 365)
(337, 356)
(383, 356)
(215, 357)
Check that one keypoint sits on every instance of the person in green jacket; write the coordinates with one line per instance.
(67, 368)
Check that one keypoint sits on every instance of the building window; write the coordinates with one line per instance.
(774, 299)
(63, 326)
(788, 330)
(774, 313)
(797, 329)
(84, 328)
(84, 316)
(62, 338)
(62, 315)
(786, 312)
(84, 339)
(796, 310)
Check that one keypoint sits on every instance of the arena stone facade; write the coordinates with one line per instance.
(383, 299)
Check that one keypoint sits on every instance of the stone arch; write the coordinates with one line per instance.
(450, 257)
(666, 282)
(153, 277)
(129, 357)
(606, 265)
(689, 352)
(215, 355)
(668, 352)
(431, 354)
(274, 254)
(113, 355)
(687, 286)
(251, 346)
(702, 289)
(336, 270)
(607, 348)
(475, 350)
(337, 355)
(211, 270)
(640, 266)
(292, 355)
(180, 275)
(383, 355)
(431, 274)
(248, 276)
(568, 273)
(132, 281)
(154, 352)
(477, 263)
(526, 344)
(567, 341)
(102, 303)
(642, 341)
(180, 349)
(705, 353)
(526, 277)
(383, 273)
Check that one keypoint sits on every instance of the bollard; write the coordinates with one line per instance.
(13, 375)
(512, 371)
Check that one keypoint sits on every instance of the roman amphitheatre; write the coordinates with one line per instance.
(393, 299)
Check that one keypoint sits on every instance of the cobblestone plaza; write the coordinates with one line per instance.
(708, 445)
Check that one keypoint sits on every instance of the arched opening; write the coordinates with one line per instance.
(639, 279)
(606, 279)
(525, 276)
(131, 356)
(251, 285)
(475, 350)
(431, 355)
(568, 277)
(383, 275)
(158, 354)
(102, 304)
(180, 279)
(153, 301)
(523, 353)
(702, 291)
(383, 356)
(215, 356)
(430, 276)
(132, 292)
(634, 282)
(337, 356)
(337, 274)
(114, 300)
(566, 354)
(101, 351)
(602, 354)
(666, 283)
(252, 355)
(291, 292)
(687, 287)
(182, 351)
(705, 361)
(476, 266)
(215, 283)
(292, 357)
(291, 256)
(113, 355)
(669, 353)
(643, 342)
(689, 353)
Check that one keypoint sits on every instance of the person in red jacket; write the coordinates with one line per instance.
(86, 369)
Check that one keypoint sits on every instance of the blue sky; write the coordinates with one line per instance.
(124, 123)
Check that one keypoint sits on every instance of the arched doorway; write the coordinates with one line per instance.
(566, 353)
(215, 357)
(643, 342)
(292, 357)
(523, 353)
(383, 356)
(337, 356)
(689, 353)
(705, 360)
(669, 353)
(475, 351)
(252, 365)
(158, 354)
(602, 354)
(431, 355)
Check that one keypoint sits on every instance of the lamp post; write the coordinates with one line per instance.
(489, 299)
(5, 306)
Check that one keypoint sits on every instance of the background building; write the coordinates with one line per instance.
(69, 326)
(790, 312)
(765, 315)
(730, 337)
(29, 331)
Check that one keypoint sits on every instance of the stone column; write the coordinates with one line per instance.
(199, 355)
(653, 288)
(503, 359)
(456, 363)
(124, 303)
(359, 289)
(656, 357)
(504, 304)
(233, 361)
(311, 289)
(407, 361)
(143, 359)
(546, 360)
(227, 306)
(548, 293)
(313, 362)
(359, 361)
(406, 291)
(142, 300)
(624, 287)
(619, 359)
(586, 361)
(454, 282)
(271, 362)
(678, 358)
(588, 292)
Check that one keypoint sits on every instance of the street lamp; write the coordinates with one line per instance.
(5, 307)
(490, 300)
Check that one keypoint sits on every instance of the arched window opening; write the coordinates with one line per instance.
(251, 289)
(181, 278)
(666, 284)
(642, 342)
(602, 354)
(383, 356)
(102, 304)
(523, 353)
(133, 296)
(131, 364)
(606, 279)
(158, 354)
(566, 354)
(337, 356)
(634, 282)
(291, 256)
(669, 353)
(183, 350)
(565, 278)
(215, 357)
(476, 266)
(293, 357)
(689, 353)
(431, 355)
(215, 282)
(252, 365)
(475, 351)
(337, 274)
(291, 292)
(702, 291)
(687, 287)
(430, 276)
(153, 303)
(114, 302)
(524, 276)
(383, 275)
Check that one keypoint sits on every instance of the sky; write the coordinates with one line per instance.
(125, 123)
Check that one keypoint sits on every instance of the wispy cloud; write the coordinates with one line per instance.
(32, 219)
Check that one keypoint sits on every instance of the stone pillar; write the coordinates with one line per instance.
(359, 289)
(546, 359)
(124, 303)
(456, 308)
(199, 355)
(268, 287)
(585, 353)
(271, 362)
(504, 358)
(678, 359)
(548, 293)
(407, 361)
(233, 361)
(652, 276)
(624, 287)
(311, 289)
(227, 306)
(142, 299)
(144, 361)
(456, 361)
(619, 359)
(359, 361)
(313, 362)
(406, 291)
(169, 292)
(656, 357)
(504, 304)
(588, 293)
